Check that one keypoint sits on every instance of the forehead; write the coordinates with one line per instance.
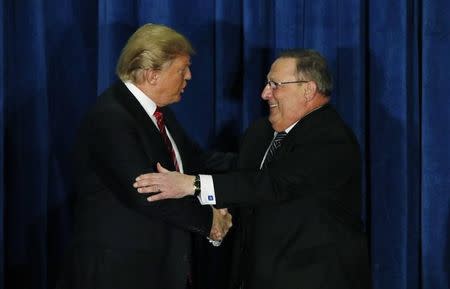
(283, 67)
(181, 60)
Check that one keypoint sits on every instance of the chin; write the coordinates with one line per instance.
(177, 98)
(274, 125)
(277, 126)
(273, 120)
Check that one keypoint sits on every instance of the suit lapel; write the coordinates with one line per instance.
(256, 141)
(154, 145)
(301, 130)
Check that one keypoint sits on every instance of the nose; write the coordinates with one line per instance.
(188, 74)
(267, 92)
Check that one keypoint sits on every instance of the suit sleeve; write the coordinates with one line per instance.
(117, 152)
(317, 167)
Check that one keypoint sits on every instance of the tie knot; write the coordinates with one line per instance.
(158, 114)
(278, 139)
(280, 136)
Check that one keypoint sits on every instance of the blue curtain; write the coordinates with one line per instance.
(2, 127)
(390, 60)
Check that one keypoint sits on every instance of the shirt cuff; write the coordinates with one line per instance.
(207, 194)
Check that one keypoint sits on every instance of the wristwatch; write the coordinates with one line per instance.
(197, 187)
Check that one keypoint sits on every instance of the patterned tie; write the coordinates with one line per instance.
(162, 129)
(276, 143)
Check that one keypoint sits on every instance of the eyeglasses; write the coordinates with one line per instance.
(274, 85)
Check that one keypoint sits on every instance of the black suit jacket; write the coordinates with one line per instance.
(300, 225)
(121, 240)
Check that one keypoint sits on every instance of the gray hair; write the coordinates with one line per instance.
(311, 65)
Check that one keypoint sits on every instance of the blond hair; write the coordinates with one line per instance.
(151, 47)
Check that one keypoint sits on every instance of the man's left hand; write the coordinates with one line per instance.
(166, 184)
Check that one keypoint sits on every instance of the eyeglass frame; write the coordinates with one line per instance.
(275, 85)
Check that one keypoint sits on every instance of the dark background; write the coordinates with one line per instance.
(390, 62)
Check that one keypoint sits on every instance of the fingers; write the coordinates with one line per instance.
(157, 197)
(216, 234)
(229, 222)
(149, 189)
(223, 212)
(222, 222)
(227, 217)
(142, 183)
(150, 181)
(148, 176)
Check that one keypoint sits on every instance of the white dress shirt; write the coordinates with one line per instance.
(150, 107)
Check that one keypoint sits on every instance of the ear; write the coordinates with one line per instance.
(310, 89)
(151, 76)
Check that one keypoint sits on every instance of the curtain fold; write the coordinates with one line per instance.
(27, 147)
(389, 61)
(394, 153)
(435, 171)
(2, 142)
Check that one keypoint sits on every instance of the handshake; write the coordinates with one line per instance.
(174, 185)
(220, 225)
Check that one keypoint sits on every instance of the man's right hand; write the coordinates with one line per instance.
(221, 224)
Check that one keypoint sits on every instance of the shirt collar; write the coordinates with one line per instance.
(286, 130)
(146, 102)
(292, 126)
(289, 128)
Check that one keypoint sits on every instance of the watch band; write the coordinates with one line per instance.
(197, 186)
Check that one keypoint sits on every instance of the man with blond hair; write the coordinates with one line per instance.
(121, 241)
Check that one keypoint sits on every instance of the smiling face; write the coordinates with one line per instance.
(170, 81)
(287, 102)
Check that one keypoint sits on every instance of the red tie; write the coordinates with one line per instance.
(162, 129)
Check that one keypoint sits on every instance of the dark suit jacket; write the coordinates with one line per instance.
(301, 227)
(121, 240)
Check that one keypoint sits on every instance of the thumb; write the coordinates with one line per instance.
(161, 169)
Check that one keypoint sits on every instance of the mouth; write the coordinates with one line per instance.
(273, 105)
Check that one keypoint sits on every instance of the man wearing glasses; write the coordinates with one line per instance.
(298, 187)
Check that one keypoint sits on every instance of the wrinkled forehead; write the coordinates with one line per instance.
(283, 67)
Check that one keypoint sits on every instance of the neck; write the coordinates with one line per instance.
(150, 93)
(316, 104)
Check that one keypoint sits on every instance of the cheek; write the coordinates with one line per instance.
(180, 83)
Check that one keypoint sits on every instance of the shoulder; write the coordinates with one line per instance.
(335, 125)
(324, 124)
(108, 108)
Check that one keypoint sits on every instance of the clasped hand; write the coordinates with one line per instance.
(174, 185)
(221, 224)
